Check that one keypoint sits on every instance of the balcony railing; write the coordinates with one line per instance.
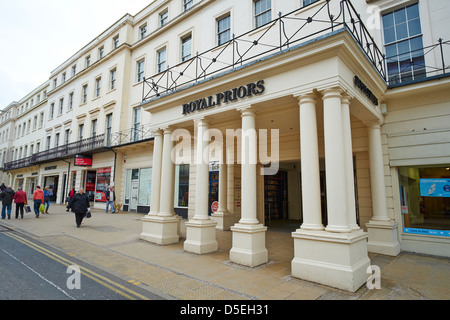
(419, 64)
(89, 145)
(279, 35)
(133, 135)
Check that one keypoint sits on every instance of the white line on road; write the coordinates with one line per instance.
(39, 275)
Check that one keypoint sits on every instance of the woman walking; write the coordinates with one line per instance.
(79, 204)
(20, 199)
(47, 195)
(38, 198)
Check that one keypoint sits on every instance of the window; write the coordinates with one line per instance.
(70, 105)
(88, 61)
(48, 142)
(186, 48)
(29, 126)
(187, 4)
(66, 136)
(74, 70)
(142, 31)
(94, 128)
(38, 147)
(404, 44)
(80, 132)
(108, 131)
(161, 60)
(63, 77)
(41, 120)
(115, 42)
(112, 82)
(136, 123)
(223, 30)
(163, 18)
(101, 51)
(263, 12)
(57, 140)
(84, 94)
(308, 2)
(140, 70)
(55, 82)
(52, 110)
(425, 200)
(98, 86)
(61, 106)
(35, 120)
(182, 185)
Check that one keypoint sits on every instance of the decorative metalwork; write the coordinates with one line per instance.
(89, 145)
(133, 135)
(277, 36)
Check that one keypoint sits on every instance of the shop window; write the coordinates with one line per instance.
(182, 186)
(425, 200)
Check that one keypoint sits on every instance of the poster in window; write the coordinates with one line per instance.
(103, 182)
(435, 188)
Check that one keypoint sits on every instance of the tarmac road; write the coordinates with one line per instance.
(30, 270)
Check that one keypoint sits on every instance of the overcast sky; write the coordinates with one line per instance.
(36, 36)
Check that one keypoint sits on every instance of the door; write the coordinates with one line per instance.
(134, 195)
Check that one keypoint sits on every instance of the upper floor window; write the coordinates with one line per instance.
(115, 42)
(142, 31)
(101, 51)
(88, 61)
(187, 4)
(263, 12)
(84, 94)
(223, 30)
(161, 64)
(74, 70)
(112, 79)
(163, 18)
(186, 47)
(307, 2)
(140, 70)
(404, 44)
(98, 87)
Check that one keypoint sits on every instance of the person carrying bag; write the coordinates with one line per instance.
(79, 204)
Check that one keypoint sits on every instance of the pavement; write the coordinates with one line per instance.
(111, 242)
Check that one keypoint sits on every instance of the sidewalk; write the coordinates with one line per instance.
(111, 242)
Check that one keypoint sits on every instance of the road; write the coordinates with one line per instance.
(30, 270)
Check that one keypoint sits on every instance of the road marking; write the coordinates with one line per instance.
(38, 274)
(88, 273)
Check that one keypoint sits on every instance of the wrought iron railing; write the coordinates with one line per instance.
(79, 147)
(133, 135)
(281, 34)
(419, 64)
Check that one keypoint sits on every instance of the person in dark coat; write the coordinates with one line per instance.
(79, 204)
(7, 199)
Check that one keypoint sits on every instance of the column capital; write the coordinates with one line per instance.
(157, 132)
(246, 110)
(375, 124)
(309, 97)
(201, 122)
(332, 92)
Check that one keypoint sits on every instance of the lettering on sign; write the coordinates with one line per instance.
(369, 94)
(249, 90)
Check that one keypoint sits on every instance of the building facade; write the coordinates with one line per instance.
(235, 115)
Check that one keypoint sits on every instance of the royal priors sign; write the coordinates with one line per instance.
(247, 91)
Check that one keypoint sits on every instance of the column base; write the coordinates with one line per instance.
(249, 245)
(160, 230)
(383, 237)
(200, 236)
(224, 220)
(338, 260)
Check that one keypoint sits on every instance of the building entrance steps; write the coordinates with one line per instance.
(111, 241)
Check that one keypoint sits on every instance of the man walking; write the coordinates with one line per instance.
(20, 199)
(38, 198)
(110, 198)
(7, 198)
(79, 204)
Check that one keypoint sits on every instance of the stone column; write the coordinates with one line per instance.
(310, 170)
(349, 167)
(383, 237)
(335, 162)
(336, 256)
(156, 173)
(201, 230)
(163, 228)
(249, 235)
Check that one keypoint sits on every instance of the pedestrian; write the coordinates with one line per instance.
(38, 198)
(79, 204)
(110, 199)
(7, 198)
(20, 199)
(47, 195)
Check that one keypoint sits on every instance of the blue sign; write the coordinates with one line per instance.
(430, 232)
(435, 187)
